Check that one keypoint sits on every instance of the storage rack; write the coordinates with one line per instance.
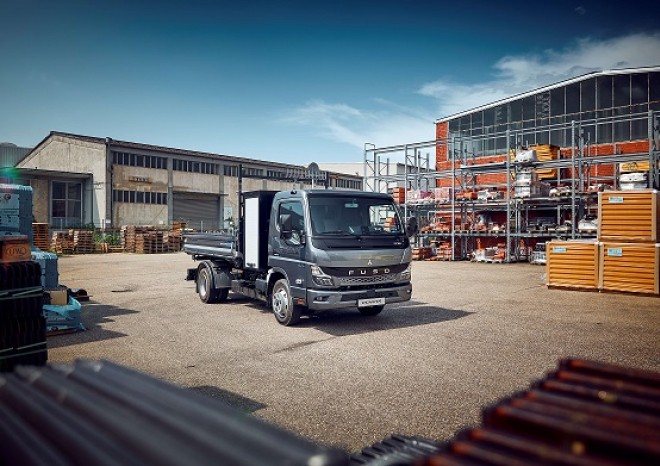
(573, 168)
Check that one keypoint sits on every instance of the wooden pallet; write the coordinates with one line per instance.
(40, 235)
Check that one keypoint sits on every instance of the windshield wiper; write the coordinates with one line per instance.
(335, 232)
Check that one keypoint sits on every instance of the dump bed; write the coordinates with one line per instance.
(210, 245)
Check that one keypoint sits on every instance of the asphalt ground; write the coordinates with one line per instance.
(473, 334)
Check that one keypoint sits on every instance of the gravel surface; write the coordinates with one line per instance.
(474, 333)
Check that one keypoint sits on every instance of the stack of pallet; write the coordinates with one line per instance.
(83, 241)
(40, 236)
(61, 243)
(129, 235)
(173, 240)
(151, 242)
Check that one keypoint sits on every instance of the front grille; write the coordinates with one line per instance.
(357, 281)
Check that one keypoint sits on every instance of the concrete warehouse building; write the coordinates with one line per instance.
(79, 180)
(392, 174)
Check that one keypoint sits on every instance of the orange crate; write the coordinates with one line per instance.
(15, 248)
(629, 216)
(630, 267)
(572, 264)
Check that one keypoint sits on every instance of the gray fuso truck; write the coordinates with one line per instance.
(305, 251)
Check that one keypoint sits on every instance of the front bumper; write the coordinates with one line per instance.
(319, 300)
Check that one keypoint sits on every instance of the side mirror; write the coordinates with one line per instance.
(411, 226)
(286, 226)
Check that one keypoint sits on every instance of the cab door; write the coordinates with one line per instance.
(289, 244)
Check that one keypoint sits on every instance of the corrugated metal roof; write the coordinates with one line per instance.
(583, 77)
(11, 154)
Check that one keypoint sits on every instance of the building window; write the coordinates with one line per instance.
(136, 160)
(348, 184)
(139, 197)
(190, 166)
(66, 204)
(275, 174)
(251, 172)
(230, 170)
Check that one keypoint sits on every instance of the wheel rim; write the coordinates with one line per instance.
(280, 303)
(203, 286)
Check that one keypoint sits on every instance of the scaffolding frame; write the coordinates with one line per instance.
(460, 148)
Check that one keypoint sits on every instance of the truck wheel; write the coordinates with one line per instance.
(285, 311)
(207, 293)
(371, 310)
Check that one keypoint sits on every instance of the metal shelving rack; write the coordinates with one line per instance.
(466, 167)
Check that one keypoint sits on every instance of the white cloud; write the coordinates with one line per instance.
(516, 74)
(388, 123)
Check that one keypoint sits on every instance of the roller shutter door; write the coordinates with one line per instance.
(200, 211)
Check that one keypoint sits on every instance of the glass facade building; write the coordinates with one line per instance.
(607, 107)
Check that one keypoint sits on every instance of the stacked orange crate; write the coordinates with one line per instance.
(545, 153)
(629, 223)
(572, 264)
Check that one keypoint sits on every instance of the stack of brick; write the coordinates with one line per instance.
(421, 253)
(443, 252)
(399, 195)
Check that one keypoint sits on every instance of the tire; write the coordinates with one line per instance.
(371, 310)
(286, 313)
(205, 289)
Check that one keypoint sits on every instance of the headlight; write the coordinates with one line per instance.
(406, 275)
(319, 277)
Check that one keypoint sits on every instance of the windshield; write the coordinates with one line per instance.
(346, 215)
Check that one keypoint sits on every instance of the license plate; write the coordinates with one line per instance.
(371, 302)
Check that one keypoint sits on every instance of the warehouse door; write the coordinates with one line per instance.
(200, 211)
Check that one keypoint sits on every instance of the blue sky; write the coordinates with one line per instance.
(293, 81)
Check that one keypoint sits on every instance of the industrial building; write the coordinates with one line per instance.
(518, 172)
(83, 180)
(387, 168)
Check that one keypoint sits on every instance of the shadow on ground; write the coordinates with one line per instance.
(247, 405)
(93, 314)
(344, 322)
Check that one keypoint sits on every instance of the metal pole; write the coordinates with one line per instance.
(654, 134)
(405, 183)
(366, 165)
(452, 194)
(508, 196)
(573, 179)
